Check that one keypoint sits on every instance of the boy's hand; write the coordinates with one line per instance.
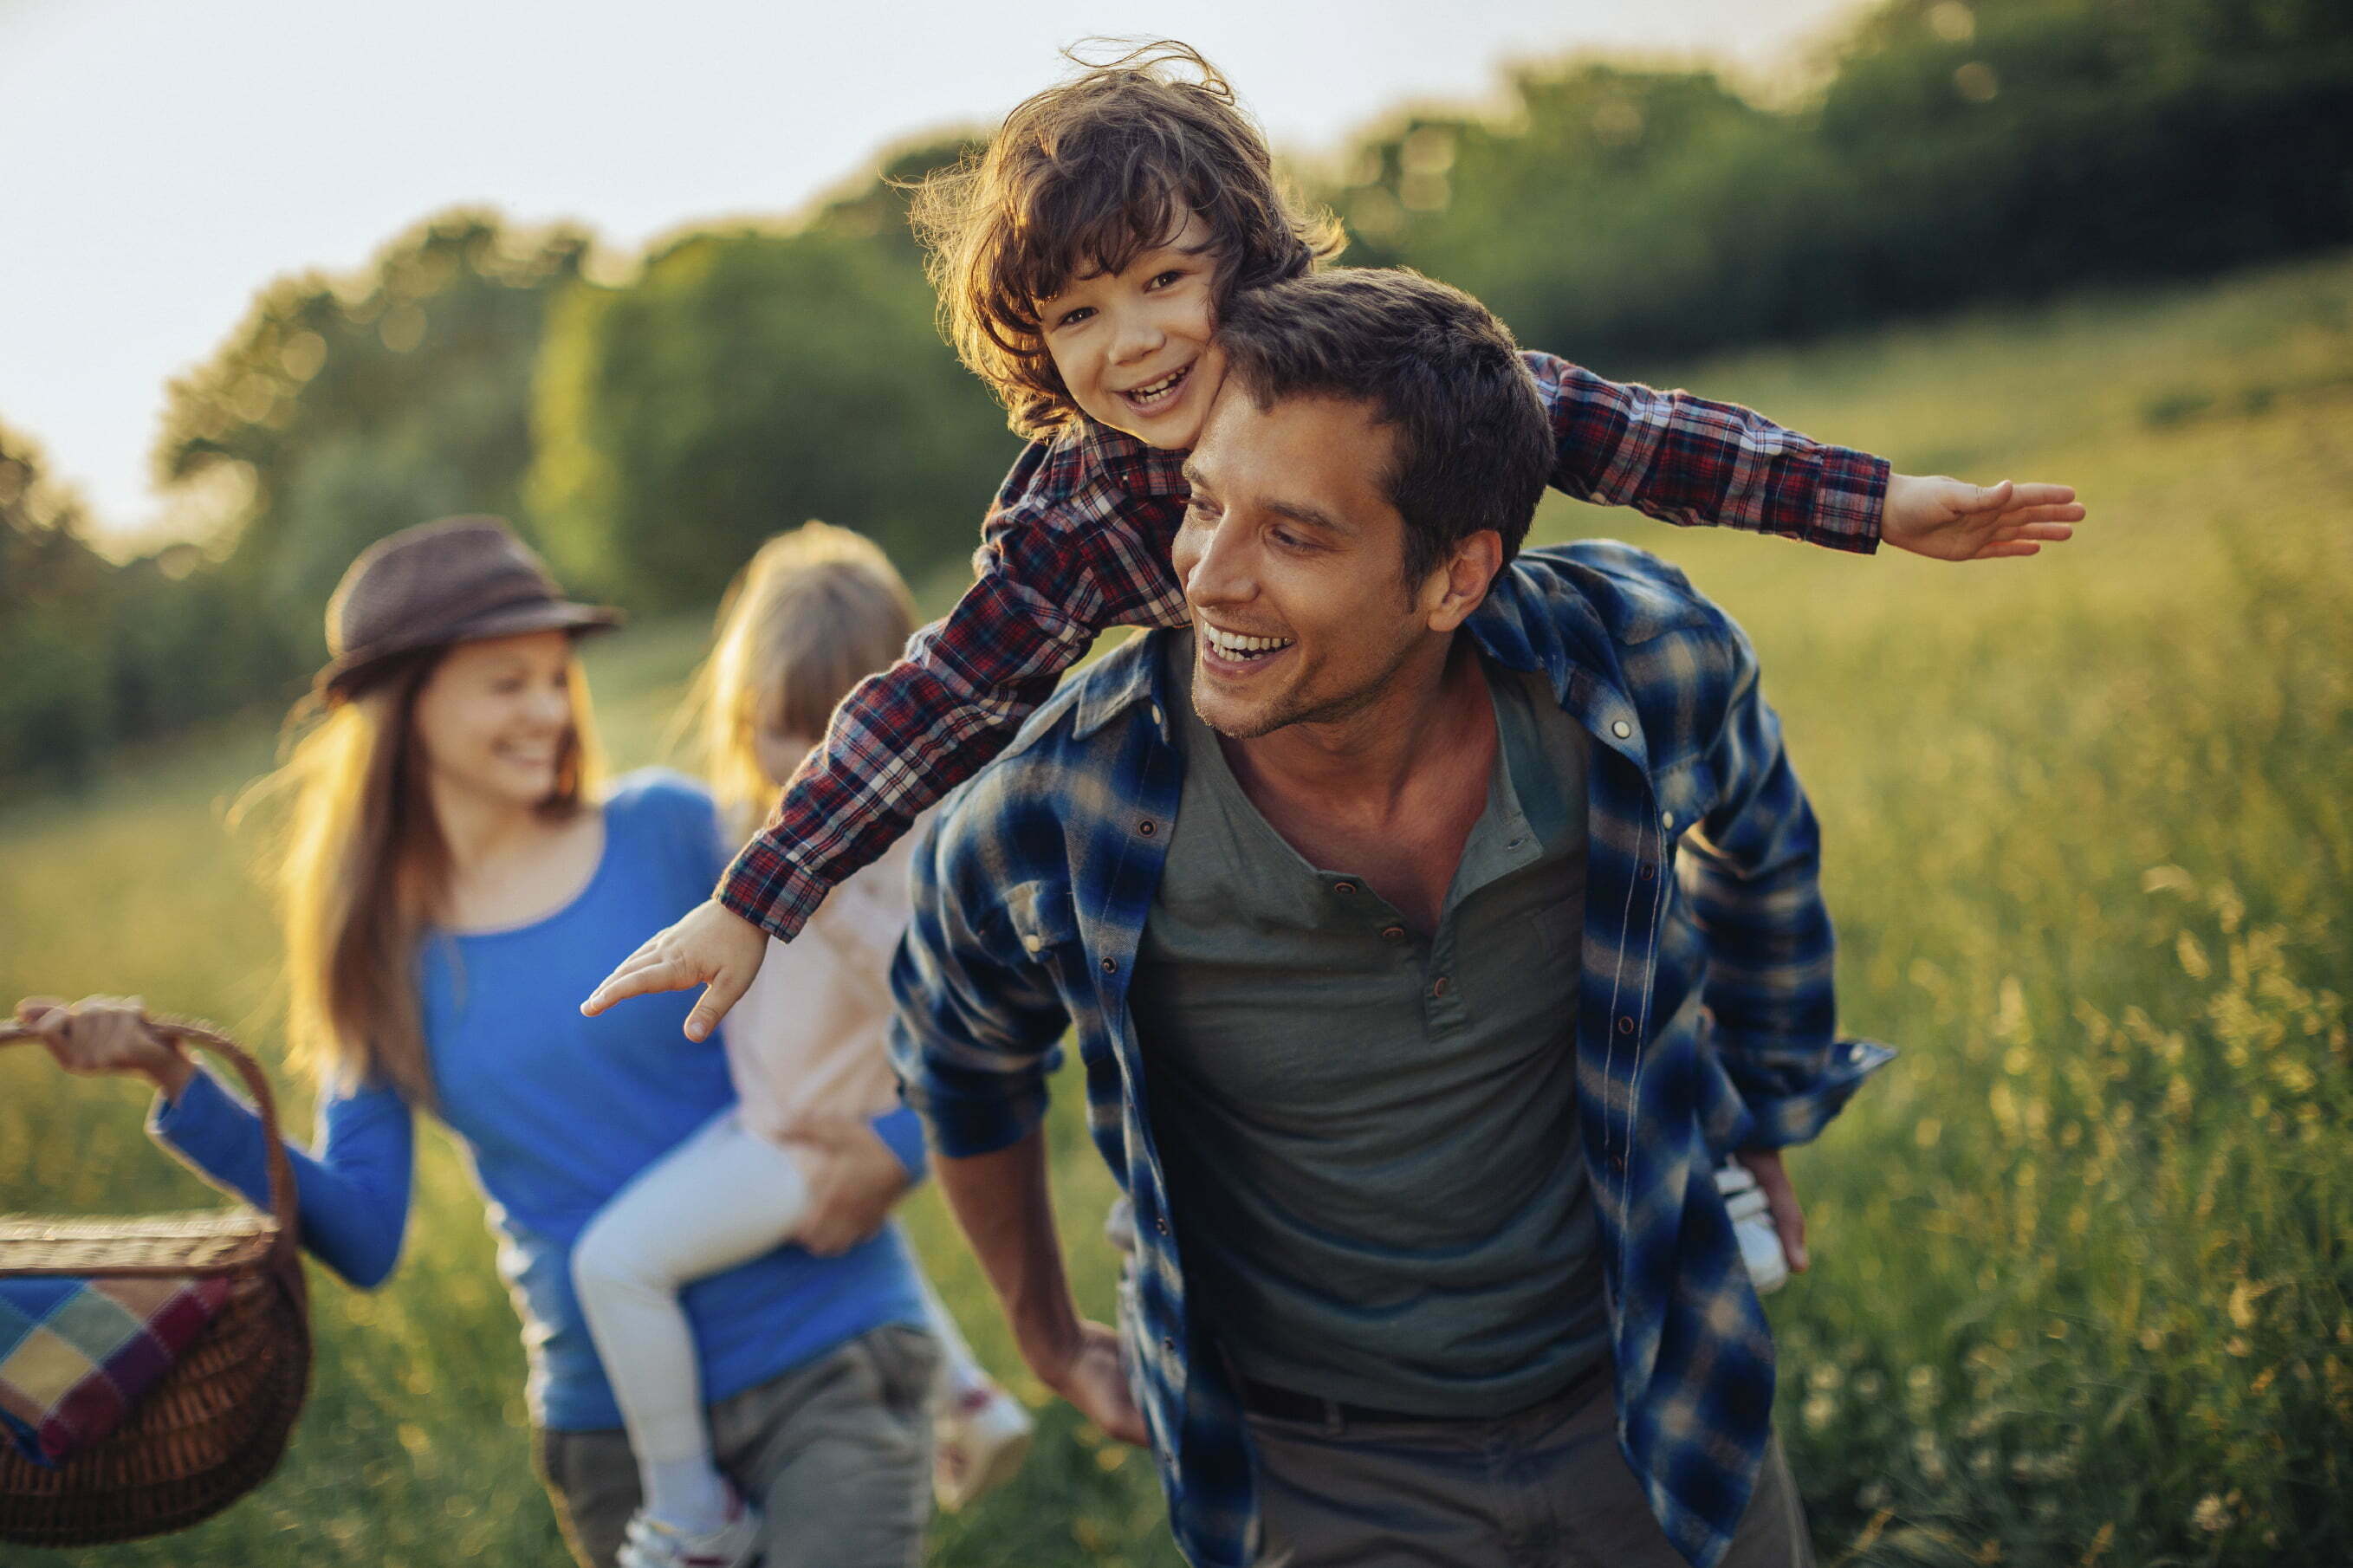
(712, 947)
(1950, 520)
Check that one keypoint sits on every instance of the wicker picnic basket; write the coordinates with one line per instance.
(213, 1426)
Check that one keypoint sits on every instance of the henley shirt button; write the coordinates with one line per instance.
(1111, 965)
(1438, 986)
(1344, 888)
(1621, 728)
(1156, 719)
(1649, 871)
(1161, 1226)
(1034, 944)
(1666, 819)
(1393, 933)
(1625, 1025)
(1147, 828)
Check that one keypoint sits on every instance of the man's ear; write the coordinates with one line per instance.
(1459, 583)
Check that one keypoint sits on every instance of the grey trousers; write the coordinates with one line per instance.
(837, 1454)
(1545, 1488)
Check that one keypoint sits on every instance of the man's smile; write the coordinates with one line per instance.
(1236, 653)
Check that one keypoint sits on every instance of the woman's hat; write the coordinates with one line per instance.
(458, 580)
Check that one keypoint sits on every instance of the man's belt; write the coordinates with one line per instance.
(1290, 1405)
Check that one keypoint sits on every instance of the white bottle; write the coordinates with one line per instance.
(1752, 1223)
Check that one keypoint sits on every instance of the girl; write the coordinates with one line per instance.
(449, 879)
(815, 611)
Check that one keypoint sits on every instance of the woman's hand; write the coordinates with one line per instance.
(101, 1035)
(853, 1180)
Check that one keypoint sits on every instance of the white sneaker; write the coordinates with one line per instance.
(650, 1543)
(979, 1441)
(1752, 1223)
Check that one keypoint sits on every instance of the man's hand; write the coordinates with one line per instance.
(1091, 1378)
(1950, 520)
(1780, 1201)
(107, 1034)
(853, 1179)
(712, 947)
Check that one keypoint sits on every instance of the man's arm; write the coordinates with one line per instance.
(973, 1040)
(1751, 868)
(1007, 1210)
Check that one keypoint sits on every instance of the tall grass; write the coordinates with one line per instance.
(2081, 1282)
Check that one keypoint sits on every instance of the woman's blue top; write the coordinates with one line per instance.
(556, 1113)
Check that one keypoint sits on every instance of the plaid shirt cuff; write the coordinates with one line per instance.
(770, 891)
(960, 1126)
(1850, 499)
(1776, 1122)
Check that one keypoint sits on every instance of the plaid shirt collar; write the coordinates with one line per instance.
(1049, 864)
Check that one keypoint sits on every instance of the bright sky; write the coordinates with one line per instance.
(164, 160)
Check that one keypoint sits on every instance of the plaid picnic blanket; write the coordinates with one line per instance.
(75, 1355)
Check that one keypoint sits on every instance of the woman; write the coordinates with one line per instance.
(448, 891)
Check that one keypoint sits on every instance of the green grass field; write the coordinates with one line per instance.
(2082, 1270)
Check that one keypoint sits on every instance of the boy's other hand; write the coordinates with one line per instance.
(712, 947)
(1949, 519)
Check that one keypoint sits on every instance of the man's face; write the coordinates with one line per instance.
(1293, 560)
(1136, 347)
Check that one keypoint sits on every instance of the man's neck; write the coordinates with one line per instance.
(1429, 715)
(1392, 793)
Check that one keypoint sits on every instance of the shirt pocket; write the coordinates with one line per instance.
(1687, 792)
(1043, 920)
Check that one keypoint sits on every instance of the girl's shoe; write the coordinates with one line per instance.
(650, 1543)
(979, 1441)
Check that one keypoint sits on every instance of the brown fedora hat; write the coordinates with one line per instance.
(458, 580)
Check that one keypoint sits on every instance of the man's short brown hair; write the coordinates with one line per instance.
(1081, 178)
(1474, 447)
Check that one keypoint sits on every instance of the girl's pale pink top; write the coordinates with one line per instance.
(807, 1038)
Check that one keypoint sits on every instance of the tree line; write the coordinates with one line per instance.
(648, 433)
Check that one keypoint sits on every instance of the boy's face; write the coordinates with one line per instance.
(1136, 347)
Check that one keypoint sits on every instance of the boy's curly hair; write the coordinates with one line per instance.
(1084, 176)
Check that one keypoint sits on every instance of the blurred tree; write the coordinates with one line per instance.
(747, 381)
(1957, 151)
(345, 410)
(54, 707)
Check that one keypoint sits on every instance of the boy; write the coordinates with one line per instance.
(1080, 264)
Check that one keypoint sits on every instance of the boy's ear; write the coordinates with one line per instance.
(1459, 584)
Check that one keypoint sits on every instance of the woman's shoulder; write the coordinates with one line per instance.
(662, 802)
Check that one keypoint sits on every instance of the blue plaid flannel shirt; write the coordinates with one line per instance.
(1705, 1016)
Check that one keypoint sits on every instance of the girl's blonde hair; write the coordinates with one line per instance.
(361, 871)
(817, 610)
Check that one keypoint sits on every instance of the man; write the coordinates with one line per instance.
(1413, 1055)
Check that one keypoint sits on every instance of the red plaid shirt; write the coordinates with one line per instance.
(1079, 540)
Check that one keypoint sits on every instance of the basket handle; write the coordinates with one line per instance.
(188, 1031)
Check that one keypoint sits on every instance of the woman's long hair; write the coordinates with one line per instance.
(361, 872)
(817, 610)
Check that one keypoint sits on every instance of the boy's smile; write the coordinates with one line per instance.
(1136, 348)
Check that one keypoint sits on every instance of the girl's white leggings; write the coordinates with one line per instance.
(722, 1197)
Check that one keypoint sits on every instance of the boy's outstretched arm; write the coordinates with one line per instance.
(1686, 460)
(1077, 540)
